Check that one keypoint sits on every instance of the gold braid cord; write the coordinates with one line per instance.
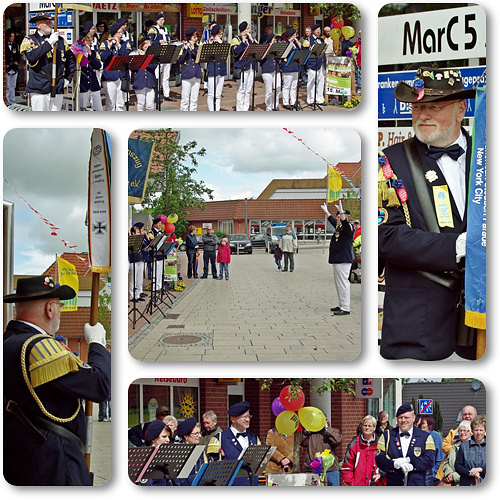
(407, 214)
(32, 391)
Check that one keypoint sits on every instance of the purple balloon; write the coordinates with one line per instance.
(277, 407)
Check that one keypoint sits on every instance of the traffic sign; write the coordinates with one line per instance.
(425, 407)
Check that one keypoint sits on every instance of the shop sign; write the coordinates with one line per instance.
(286, 12)
(369, 388)
(261, 10)
(149, 7)
(194, 10)
(219, 9)
(64, 19)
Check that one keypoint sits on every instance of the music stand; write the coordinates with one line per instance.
(126, 63)
(165, 248)
(300, 58)
(153, 246)
(253, 458)
(317, 51)
(278, 51)
(213, 53)
(254, 52)
(218, 473)
(135, 242)
(163, 54)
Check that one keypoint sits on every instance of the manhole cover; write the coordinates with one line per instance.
(181, 339)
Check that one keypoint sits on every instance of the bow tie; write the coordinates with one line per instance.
(242, 434)
(403, 434)
(454, 152)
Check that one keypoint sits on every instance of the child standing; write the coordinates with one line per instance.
(278, 254)
(224, 258)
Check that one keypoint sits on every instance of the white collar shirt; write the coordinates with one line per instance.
(244, 442)
(405, 441)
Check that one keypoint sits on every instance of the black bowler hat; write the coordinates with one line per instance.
(153, 430)
(289, 32)
(149, 23)
(159, 15)
(215, 29)
(344, 212)
(315, 27)
(40, 17)
(434, 85)
(39, 287)
(243, 26)
(404, 408)
(85, 28)
(190, 31)
(186, 427)
(238, 409)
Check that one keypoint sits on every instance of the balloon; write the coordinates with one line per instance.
(163, 218)
(277, 407)
(335, 34)
(312, 419)
(348, 31)
(337, 22)
(286, 422)
(173, 218)
(169, 228)
(288, 400)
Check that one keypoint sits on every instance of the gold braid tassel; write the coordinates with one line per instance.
(393, 200)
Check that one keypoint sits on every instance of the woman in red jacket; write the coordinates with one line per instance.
(224, 258)
(360, 468)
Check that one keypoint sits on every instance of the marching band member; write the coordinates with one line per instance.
(271, 76)
(239, 45)
(12, 60)
(145, 80)
(315, 69)
(90, 87)
(160, 36)
(127, 37)
(190, 71)
(112, 79)
(290, 74)
(220, 72)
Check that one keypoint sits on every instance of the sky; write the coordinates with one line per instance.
(240, 162)
(54, 181)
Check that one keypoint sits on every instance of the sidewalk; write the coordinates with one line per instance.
(100, 458)
(257, 315)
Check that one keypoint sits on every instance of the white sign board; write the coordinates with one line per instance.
(438, 35)
(369, 388)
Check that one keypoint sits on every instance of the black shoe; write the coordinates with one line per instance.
(215, 277)
(204, 277)
(171, 99)
(196, 276)
(291, 270)
(141, 299)
(284, 270)
(335, 309)
(144, 295)
(287, 106)
(341, 312)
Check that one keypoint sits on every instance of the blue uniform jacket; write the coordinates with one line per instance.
(55, 461)
(422, 454)
(315, 62)
(232, 450)
(88, 78)
(239, 47)
(294, 68)
(187, 58)
(269, 65)
(158, 34)
(341, 251)
(145, 78)
(220, 68)
(107, 54)
(38, 53)
(12, 55)
(416, 308)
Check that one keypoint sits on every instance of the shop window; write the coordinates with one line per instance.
(185, 402)
(390, 398)
(225, 226)
(133, 405)
(153, 397)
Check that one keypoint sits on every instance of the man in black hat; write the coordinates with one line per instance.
(405, 452)
(160, 36)
(38, 49)
(239, 44)
(237, 437)
(341, 256)
(45, 428)
(423, 185)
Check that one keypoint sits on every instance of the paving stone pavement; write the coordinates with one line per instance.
(259, 314)
(100, 458)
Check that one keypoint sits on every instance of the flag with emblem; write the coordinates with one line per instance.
(334, 184)
(68, 276)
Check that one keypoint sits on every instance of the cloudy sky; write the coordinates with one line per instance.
(241, 162)
(53, 180)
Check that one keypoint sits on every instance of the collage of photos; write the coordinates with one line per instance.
(244, 248)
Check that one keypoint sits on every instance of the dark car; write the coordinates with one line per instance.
(258, 240)
(239, 243)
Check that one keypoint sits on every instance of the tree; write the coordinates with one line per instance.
(172, 189)
(329, 384)
(346, 11)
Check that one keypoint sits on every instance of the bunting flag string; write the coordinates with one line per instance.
(315, 153)
(53, 227)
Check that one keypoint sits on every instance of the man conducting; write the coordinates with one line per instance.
(423, 188)
(45, 427)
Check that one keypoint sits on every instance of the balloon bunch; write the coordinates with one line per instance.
(168, 222)
(291, 413)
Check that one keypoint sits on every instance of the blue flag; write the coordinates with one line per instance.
(475, 260)
(140, 154)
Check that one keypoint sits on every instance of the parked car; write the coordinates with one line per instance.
(239, 242)
(258, 240)
(182, 246)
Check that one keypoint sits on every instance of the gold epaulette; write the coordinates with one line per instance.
(235, 41)
(306, 43)
(27, 44)
(213, 446)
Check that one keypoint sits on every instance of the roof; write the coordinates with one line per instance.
(78, 260)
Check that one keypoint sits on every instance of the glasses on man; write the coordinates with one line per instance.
(433, 108)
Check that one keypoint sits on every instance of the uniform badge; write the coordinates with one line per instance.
(431, 175)
(383, 216)
(417, 451)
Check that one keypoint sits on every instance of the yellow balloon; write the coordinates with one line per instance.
(173, 218)
(335, 34)
(348, 31)
(312, 419)
(287, 422)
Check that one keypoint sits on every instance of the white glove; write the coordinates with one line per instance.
(339, 207)
(66, 83)
(53, 38)
(398, 462)
(95, 333)
(325, 209)
(460, 246)
(406, 468)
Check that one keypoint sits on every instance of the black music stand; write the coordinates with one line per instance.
(218, 473)
(298, 57)
(317, 51)
(163, 54)
(278, 51)
(254, 52)
(135, 242)
(165, 248)
(127, 63)
(153, 247)
(213, 53)
(253, 458)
